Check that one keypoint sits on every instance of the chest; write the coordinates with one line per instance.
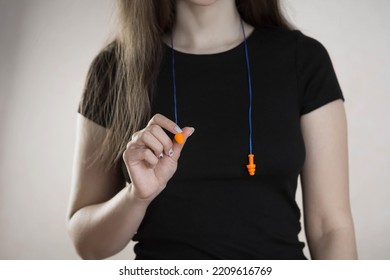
(212, 96)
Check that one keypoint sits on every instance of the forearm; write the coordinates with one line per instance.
(101, 230)
(336, 244)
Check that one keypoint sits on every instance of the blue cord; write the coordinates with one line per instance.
(249, 85)
(174, 79)
(250, 89)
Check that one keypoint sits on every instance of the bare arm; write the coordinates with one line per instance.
(104, 213)
(102, 218)
(328, 219)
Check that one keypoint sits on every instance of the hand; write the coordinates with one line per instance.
(151, 157)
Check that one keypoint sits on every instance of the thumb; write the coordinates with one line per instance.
(177, 148)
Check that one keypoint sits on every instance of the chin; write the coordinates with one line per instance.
(201, 2)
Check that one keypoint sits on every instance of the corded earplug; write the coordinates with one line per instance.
(179, 138)
(251, 166)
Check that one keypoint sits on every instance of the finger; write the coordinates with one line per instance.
(177, 148)
(165, 123)
(153, 137)
(136, 156)
(149, 140)
(162, 137)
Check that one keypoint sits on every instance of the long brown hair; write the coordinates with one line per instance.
(123, 76)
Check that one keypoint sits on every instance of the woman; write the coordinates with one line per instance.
(249, 84)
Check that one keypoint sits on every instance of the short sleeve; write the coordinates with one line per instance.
(317, 81)
(97, 100)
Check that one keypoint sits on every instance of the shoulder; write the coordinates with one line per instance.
(102, 71)
(98, 96)
(309, 46)
(277, 37)
(105, 60)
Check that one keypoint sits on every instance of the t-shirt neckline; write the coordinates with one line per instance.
(239, 46)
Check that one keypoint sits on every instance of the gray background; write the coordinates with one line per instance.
(46, 47)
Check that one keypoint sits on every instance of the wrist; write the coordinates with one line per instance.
(133, 199)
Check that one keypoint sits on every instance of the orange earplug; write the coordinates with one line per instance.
(251, 166)
(179, 138)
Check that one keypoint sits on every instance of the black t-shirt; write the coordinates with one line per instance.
(212, 208)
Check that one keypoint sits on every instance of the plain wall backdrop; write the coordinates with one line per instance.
(46, 47)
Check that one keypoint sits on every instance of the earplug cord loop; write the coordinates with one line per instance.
(249, 89)
(251, 166)
(174, 79)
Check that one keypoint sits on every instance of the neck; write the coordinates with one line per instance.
(207, 28)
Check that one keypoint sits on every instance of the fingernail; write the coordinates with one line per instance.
(170, 153)
(161, 155)
(178, 129)
(193, 130)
